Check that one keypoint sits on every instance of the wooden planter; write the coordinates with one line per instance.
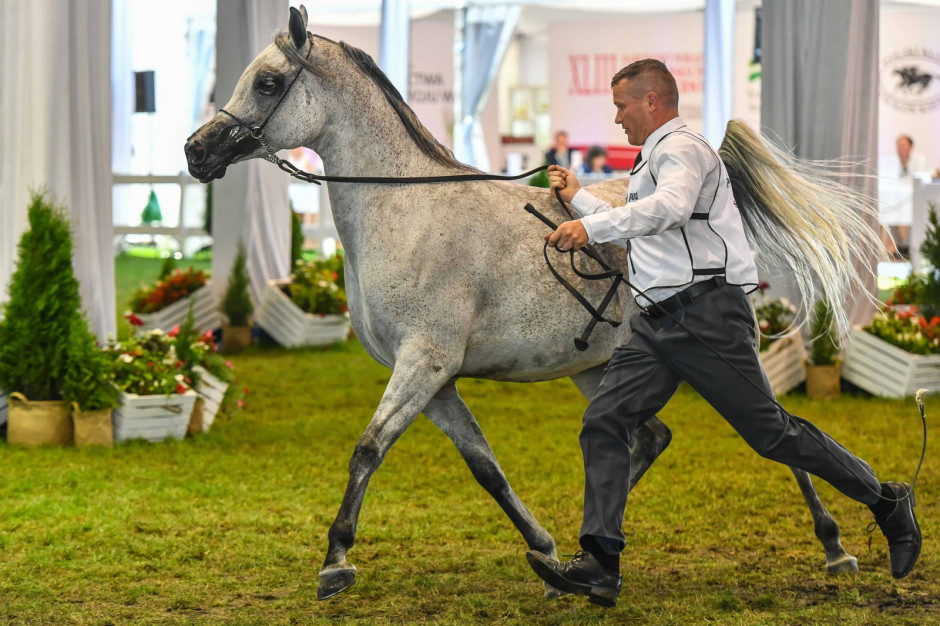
(153, 418)
(205, 313)
(290, 326)
(211, 391)
(3, 408)
(886, 370)
(783, 363)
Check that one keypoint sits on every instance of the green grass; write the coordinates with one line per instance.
(231, 527)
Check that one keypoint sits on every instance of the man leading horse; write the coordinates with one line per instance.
(691, 267)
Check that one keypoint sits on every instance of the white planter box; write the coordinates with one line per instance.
(3, 408)
(290, 326)
(205, 312)
(783, 363)
(153, 418)
(886, 370)
(212, 390)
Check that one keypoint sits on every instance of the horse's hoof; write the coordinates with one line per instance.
(335, 579)
(846, 564)
(551, 592)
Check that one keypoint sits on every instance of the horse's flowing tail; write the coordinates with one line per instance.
(796, 215)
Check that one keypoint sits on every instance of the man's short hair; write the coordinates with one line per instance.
(910, 141)
(650, 75)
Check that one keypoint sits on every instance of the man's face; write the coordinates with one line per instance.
(632, 113)
(904, 148)
(561, 142)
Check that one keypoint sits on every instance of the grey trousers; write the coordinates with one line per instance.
(645, 372)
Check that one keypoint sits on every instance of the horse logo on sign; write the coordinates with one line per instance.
(910, 80)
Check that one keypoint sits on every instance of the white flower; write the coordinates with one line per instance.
(179, 378)
(156, 332)
(323, 284)
(127, 358)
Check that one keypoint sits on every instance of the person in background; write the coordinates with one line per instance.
(562, 154)
(596, 161)
(896, 190)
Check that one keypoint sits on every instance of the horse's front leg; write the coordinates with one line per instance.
(837, 559)
(420, 371)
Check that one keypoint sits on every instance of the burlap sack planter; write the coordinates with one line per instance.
(824, 381)
(235, 338)
(38, 423)
(93, 428)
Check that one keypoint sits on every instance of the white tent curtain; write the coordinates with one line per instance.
(394, 34)
(251, 202)
(719, 67)
(820, 91)
(55, 121)
(483, 34)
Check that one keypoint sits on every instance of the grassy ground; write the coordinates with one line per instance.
(231, 527)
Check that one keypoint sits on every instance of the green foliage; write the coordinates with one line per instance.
(540, 179)
(774, 317)
(236, 304)
(823, 350)
(88, 379)
(319, 286)
(43, 306)
(296, 239)
(193, 349)
(931, 246)
(167, 267)
(910, 330)
(147, 364)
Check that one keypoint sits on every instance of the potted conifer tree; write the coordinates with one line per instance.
(39, 317)
(89, 388)
(236, 306)
(823, 368)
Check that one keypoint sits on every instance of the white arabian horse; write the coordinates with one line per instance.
(447, 280)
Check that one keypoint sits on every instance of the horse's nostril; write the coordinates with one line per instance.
(196, 152)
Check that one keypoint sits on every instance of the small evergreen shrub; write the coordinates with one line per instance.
(236, 304)
(43, 306)
(89, 379)
(823, 349)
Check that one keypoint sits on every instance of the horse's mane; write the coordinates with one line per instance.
(416, 130)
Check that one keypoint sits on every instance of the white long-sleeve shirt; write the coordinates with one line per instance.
(678, 176)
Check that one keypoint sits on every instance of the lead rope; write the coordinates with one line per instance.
(619, 278)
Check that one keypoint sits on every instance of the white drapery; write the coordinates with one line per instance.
(820, 92)
(55, 121)
(719, 68)
(251, 202)
(483, 34)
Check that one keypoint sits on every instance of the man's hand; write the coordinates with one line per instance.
(569, 236)
(564, 180)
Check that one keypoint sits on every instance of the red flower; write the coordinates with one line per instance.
(246, 391)
(762, 285)
(149, 363)
(133, 320)
(335, 275)
(180, 388)
(174, 331)
(230, 365)
(240, 403)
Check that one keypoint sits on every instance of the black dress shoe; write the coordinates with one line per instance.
(901, 530)
(582, 575)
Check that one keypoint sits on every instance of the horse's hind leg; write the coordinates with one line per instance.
(448, 411)
(420, 371)
(837, 559)
(650, 440)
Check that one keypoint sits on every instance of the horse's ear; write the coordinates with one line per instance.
(297, 28)
(303, 14)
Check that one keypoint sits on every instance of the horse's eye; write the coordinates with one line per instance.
(266, 85)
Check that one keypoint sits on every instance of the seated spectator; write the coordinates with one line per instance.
(596, 161)
(562, 154)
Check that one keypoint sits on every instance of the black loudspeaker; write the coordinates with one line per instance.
(144, 102)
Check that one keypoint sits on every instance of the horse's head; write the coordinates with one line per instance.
(266, 106)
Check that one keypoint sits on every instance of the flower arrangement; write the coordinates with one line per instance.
(193, 349)
(909, 330)
(319, 286)
(177, 285)
(774, 317)
(147, 363)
